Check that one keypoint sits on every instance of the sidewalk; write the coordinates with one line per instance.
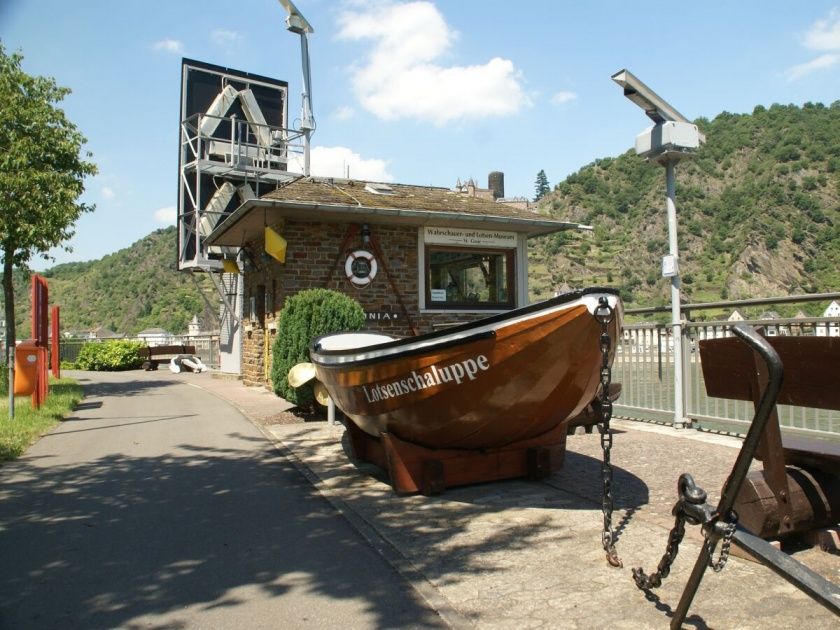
(519, 554)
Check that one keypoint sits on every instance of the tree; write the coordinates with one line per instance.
(541, 188)
(42, 173)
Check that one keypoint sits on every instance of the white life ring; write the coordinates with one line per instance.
(360, 267)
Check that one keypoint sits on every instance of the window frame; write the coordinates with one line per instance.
(510, 275)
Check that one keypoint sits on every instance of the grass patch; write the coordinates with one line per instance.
(16, 435)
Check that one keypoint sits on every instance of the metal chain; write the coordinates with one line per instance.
(646, 582)
(691, 508)
(729, 532)
(604, 314)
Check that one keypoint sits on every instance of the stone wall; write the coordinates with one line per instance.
(315, 258)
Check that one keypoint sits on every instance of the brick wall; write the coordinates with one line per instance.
(315, 259)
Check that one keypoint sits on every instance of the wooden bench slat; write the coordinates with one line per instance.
(152, 356)
(152, 351)
(811, 364)
(775, 501)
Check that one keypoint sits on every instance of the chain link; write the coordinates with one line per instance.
(729, 532)
(654, 580)
(604, 315)
(691, 507)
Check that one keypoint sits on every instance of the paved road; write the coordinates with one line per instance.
(159, 505)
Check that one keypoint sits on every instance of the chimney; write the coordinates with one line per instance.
(471, 188)
(496, 183)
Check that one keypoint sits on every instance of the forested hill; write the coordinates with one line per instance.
(758, 210)
(134, 288)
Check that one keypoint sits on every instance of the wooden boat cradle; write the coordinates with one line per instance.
(413, 468)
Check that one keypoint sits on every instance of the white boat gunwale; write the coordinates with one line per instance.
(460, 334)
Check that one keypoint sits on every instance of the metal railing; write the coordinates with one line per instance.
(240, 144)
(644, 365)
(206, 347)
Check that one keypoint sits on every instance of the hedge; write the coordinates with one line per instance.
(307, 315)
(110, 356)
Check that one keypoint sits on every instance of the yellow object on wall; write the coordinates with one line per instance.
(230, 266)
(275, 245)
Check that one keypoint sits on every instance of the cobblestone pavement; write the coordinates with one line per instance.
(520, 554)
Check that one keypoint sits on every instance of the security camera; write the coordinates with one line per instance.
(673, 133)
(668, 138)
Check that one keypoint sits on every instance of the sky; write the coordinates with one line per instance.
(411, 92)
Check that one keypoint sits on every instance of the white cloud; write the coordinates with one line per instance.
(225, 39)
(166, 215)
(108, 193)
(344, 113)
(824, 34)
(335, 161)
(820, 63)
(399, 78)
(561, 98)
(172, 46)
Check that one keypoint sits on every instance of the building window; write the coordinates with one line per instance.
(461, 278)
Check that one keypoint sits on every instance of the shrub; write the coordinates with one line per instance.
(305, 316)
(4, 379)
(110, 356)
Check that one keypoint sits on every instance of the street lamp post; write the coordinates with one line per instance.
(296, 23)
(672, 138)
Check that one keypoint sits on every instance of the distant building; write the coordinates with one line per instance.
(194, 327)
(155, 337)
(829, 329)
(101, 333)
(799, 328)
(736, 316)
(772, 330)
(494, 192)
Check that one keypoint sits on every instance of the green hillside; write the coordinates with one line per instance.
(758, 210)
(134, 288)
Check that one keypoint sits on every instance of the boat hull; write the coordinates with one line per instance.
(487, 385)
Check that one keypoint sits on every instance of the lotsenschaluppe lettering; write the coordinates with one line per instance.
(457, 373)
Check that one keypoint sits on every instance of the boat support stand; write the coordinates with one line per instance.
(414, 468)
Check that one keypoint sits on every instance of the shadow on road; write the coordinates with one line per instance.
(134, 387)
(102, 543)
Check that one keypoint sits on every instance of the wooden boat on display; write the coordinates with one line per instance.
(486, 400)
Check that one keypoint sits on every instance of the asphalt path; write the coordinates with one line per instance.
(158, 505)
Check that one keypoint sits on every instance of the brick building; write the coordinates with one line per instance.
(415, 257)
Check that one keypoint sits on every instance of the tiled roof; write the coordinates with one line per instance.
(341, 200)
(343, 192)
